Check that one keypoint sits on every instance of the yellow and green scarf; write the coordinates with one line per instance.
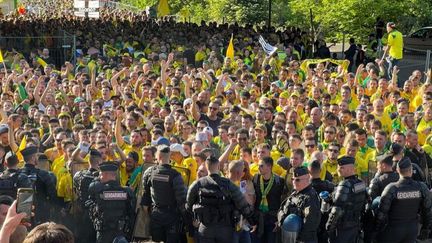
(263, 207)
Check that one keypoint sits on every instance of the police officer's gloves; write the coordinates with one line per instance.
(424, 234)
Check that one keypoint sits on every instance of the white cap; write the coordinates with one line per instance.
(208, 130)
(187, 101)
(176, 147)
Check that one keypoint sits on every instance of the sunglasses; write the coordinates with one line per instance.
(213, 108)
(329, 132)
(310, 145)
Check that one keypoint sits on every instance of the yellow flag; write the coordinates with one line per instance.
(230, 49)
(163, 8)
(91, 66)
(21, 147)
(1, 56)
(41, 62)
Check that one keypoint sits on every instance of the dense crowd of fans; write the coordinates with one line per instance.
(140, 82)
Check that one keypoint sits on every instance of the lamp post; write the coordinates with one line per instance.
(269, 14)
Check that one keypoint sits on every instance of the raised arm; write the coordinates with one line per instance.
(194, 108)
(11, 136)
(118, 128)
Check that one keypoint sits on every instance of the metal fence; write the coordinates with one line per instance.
(61, 47)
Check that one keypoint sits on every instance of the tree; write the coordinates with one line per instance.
(356, 18)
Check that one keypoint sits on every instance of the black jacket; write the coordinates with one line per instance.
(306, 205)
(236, 198)
(402, 201)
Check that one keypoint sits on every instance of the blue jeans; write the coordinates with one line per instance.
(394, 62)
(242, 236)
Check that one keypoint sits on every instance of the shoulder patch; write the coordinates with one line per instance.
(114, 195)
(359, 187)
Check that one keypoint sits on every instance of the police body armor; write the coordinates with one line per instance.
(215, 206)
(406, 203)
(82, 180)
(162, 191)
(8, 184)
(355, 207)
(111, 203)
(349, 198)
(379, 183)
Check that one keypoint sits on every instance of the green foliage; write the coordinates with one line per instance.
(356, 18)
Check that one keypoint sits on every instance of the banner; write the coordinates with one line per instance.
(86, 8)
(269, 49)
(305, 64)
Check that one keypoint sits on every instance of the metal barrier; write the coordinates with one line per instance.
(61, 47)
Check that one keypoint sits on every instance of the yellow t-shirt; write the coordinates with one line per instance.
(330, 167)
(191, 164)
(184, 172)
(395, 42)
(199, 56)
(57, 165)
(53, 153)
(423, 125)
(128, 148)
(64, 188)
(385, 121)
(124, 177)
(254, 169)
(362, 166)
(235, 154)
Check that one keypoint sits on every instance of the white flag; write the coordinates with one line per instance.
(269, 49)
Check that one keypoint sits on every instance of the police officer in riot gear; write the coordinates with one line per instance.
(11, 179)
(349, 200)
(213, 199)
(386, 176)
(304, 203)
(401, 203)
(42, 182)
(165, 197)
(111, 206)
(327, 188)
(319, 185)
(81, 183)
(398, 154)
